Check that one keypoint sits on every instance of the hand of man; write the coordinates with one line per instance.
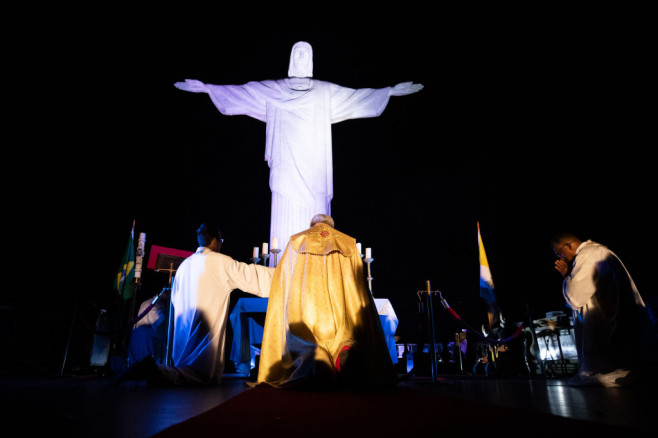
(561, 266)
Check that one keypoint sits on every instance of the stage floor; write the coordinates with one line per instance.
(89, 406)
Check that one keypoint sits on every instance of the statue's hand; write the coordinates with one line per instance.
(404, 88)
(191, 85)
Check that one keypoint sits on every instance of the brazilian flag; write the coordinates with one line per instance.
(126, 273)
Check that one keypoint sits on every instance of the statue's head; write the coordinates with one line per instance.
(301, 60)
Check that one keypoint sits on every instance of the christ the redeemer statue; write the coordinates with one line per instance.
(298, 112)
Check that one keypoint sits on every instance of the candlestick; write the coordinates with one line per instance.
(265, 257)
(276, 252)
(369, 260)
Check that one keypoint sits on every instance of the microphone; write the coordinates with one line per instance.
(139, 257)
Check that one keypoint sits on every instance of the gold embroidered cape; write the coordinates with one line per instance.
(319, 302)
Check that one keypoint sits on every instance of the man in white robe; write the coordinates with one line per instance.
(298, 112)
(615, 339)
(200, 296)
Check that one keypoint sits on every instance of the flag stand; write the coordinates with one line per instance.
(429, 310)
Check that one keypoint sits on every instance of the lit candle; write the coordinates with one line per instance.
(368, 253)
(265, 248)
(275, 243)
(358, 247)
(255, 254)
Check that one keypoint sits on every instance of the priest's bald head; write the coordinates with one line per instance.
(322, 219)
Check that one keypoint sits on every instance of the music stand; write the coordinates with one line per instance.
(168, 260)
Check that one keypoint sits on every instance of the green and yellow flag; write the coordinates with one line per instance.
(124, 279)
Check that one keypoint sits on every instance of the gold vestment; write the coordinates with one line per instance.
(319, 302)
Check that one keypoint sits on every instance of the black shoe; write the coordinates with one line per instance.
(144, 369)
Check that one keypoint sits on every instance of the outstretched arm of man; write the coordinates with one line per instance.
(404, 88)
(192, 85)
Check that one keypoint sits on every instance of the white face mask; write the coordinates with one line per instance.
(301, 61)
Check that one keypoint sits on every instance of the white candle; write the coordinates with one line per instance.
(358, 247)
(275, 243)
(368, 253)
(255, 254)
(265, 248)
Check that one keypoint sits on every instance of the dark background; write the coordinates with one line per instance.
(528, 124)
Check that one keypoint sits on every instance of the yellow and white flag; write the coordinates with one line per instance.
(487, 291)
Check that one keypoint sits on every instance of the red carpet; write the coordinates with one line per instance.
(398, 412)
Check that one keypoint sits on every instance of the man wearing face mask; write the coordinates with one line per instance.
(298, 111)
(615, 340)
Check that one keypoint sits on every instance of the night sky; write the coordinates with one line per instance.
(528, 127)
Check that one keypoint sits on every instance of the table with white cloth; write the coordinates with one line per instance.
(248, 318)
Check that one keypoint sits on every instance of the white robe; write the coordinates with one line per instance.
(580, 285)
(200, 296)
(298, 145)
(613, 330)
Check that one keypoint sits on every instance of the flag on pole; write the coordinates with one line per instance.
(124, 280)
(487, 291)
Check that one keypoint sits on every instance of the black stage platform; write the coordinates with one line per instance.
(88, 406)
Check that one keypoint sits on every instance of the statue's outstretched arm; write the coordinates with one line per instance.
(404, 88)
(192, 85)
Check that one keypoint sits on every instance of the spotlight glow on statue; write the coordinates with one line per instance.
(298, 112)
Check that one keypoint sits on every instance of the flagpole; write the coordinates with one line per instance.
(131, 316)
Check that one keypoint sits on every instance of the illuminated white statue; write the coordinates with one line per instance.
(298, 112)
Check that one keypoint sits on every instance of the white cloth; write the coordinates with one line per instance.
(298, 145)
(611, 324)
(580, 285)
(200, 296)
(390, 325)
